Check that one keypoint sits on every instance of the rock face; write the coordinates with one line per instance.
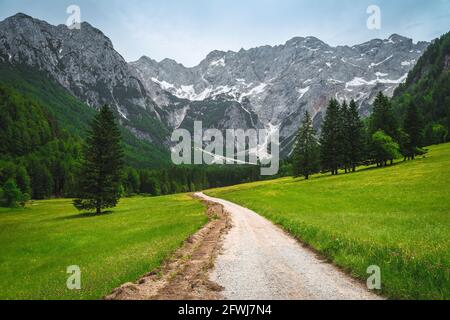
(275, 85)
(264, 87)
(85, 63)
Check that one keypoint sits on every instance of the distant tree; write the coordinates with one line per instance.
(383, 117)
(404, 143)
(41, 179)
(345, 136)
(23, 180)
(101, 172)
(354, 136)
(384, 148)
(330, 139)
(306, 150)
(413, 127)
(435, 133)
(12, 196)
(131, 181)
(448, 119)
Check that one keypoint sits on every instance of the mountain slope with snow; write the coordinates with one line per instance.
(277, 84)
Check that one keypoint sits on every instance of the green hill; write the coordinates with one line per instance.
(428, 86)
(72, 115)
(397, 218)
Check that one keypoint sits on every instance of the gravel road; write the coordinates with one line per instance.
(260, 261)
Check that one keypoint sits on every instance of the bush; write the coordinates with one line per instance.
(12, 196)
(384, 148)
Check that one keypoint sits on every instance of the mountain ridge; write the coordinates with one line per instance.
(277, 83)
(260, 87)
(213, 52)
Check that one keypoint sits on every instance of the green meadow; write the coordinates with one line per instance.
(397, 218)
(39, 242)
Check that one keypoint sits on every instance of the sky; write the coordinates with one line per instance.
(187, 30)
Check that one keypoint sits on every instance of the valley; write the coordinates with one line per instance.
(396, 218)
(355, 203)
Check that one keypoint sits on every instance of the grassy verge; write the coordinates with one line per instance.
(39, 243)
(397, 218)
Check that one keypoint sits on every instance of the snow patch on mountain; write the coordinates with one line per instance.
(302, 92)
(218, 63)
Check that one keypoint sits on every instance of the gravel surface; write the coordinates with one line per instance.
(260, 261)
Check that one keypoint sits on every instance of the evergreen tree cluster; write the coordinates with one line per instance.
(36, 156)
(346, 141)
(178, 179)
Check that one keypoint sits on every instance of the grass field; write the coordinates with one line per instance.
(39, 243)
(397, 218)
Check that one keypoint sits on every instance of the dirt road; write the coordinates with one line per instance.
(260, 261)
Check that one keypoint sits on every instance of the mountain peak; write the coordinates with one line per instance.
(306, 41)
(398, 38)
(20, 15)
(146, 59)
(215, 54)
(168, 61)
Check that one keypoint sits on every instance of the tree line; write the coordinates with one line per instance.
(346, 141)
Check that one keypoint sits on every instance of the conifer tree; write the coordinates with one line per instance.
(383, 117)
(413, 127)
(101, 173)
(345, 137)
(306, 150)
(355, 136)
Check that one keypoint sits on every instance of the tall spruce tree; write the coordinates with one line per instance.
(306, 150)
(101, 172)
(330, 139)
(354, 136)
(383, 117)
(345, 136)
(413, 127)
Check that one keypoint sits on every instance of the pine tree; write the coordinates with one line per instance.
(306, 151)
(330, 140)
(345, 137)
(413, 127)
(383, 117)
(101, 172)
(23, 180)
(354, 136)
(131, 181)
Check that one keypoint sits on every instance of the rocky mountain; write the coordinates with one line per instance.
(275, 85)
(85, 63)
(264, 87)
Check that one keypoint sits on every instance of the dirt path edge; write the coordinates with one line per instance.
(185, 275)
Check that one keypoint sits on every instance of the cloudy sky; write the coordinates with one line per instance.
(187, 30)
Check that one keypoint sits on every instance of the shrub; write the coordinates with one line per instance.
(12, 196)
